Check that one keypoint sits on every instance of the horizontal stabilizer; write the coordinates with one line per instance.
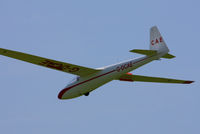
(168, 56)
(139, 78)
(151, 52)
(144, 52)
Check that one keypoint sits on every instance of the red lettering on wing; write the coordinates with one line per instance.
(59, 66)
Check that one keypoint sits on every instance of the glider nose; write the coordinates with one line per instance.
(68, 94)
(62, 92)
(60, 95)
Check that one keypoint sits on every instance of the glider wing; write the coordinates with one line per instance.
(139, 78)
(53, 64)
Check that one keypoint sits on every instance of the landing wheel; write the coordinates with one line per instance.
(87, 94)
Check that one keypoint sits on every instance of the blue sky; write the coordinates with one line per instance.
(95, 34)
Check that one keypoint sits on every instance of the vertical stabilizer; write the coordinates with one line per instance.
(156, 41)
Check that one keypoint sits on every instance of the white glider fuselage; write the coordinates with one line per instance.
(89, 83)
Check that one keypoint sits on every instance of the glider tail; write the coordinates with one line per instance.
(157, 45)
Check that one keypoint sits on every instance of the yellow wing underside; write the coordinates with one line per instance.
(139, 78)
(53, 64)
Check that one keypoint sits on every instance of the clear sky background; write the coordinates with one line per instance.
(94, 34)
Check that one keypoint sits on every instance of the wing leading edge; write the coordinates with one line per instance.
(139, 78)
(53, 64)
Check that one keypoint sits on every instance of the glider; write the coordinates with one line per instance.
(88, 79)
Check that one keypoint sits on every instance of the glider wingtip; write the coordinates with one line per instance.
(188, 82)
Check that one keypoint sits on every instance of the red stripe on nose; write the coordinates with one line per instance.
(60, 95)
(66, 89)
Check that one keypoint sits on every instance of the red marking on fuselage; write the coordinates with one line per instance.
(68, 88)
(126, 80)
(124, 66)
(130, 64)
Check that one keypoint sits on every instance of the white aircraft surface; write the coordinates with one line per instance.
(89, 79)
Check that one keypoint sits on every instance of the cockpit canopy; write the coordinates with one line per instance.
(75, 79)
